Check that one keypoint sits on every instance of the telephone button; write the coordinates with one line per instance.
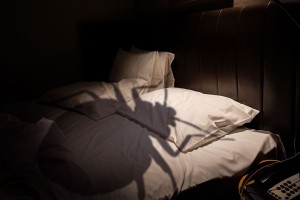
(287, 189)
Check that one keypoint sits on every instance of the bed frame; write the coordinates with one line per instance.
(250, 54)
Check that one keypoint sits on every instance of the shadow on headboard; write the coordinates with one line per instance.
(250, 54)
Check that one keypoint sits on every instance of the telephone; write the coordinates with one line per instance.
(273, 180)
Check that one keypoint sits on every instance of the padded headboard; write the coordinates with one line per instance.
(250, 54)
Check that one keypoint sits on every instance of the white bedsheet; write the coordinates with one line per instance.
(116, 158)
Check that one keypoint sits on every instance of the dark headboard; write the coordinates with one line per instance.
(250, 54)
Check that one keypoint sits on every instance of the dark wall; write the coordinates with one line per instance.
(40, 45)
(40, 41)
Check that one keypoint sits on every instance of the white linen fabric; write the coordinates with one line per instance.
(133, 65)
(188, 118)
(66, 155)
(162, 74)
(85, 159)
(20, 140)
(96, 100)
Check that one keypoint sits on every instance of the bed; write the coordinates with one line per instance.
(182, 107)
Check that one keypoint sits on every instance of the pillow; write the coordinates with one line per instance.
(94, 99)
(162, 74)
(133, 65)
(188, 118)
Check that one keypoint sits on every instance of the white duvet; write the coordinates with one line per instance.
(124, 164)
(117, 158)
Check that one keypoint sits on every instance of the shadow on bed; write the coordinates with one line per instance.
(63, 166)
(77, 163)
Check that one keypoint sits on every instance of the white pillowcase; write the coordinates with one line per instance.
(133, 65)
(188, 118)
(95, 99)
(162, 74)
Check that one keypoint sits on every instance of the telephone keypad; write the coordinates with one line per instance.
(286, 189)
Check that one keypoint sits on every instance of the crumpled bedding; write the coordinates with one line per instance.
(74, 157)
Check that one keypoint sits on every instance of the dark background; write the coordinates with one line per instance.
(40, 40)
(41, 45)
